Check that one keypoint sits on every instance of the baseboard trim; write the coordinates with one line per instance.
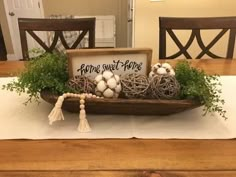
(11, 57)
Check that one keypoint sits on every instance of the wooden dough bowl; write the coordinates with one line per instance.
(124, 106)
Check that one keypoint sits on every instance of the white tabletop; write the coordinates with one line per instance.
(18, 121)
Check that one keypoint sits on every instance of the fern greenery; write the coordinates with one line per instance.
(47, 71)
(197, 85)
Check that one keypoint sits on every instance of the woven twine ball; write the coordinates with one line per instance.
(134, 85)
(164, 87)
(81, 84)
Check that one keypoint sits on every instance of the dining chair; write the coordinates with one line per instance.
(85, 26)
(170, 26)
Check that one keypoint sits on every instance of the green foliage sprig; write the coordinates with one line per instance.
(46, 71)
(196, 84)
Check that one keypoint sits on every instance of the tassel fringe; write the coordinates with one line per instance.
(56, 113)
(83, 123)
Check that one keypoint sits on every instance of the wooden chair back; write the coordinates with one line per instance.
(58, 26)
(196, 25)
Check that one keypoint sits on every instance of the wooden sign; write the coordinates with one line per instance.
(91, 62)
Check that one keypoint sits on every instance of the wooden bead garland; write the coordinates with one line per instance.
(134, 85)
(164, 87)
(56, 113)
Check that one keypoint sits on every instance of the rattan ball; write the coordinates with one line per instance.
(81, 84)
(164, 87)
(134, 85)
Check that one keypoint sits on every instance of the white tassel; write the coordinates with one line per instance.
(56, 113)
(83, 123)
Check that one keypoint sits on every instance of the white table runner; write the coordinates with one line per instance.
(18, 121)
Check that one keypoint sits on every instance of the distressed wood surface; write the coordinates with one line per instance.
(11, 68)
(117, 174)
(118, 154)
(212, 66)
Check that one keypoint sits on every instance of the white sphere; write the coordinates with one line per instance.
(118, 88)
(107, 74)
(117, 78)
(101, 86)
(172, 72)
(166, 65)
(108, 93)
(161, 71)
(111, 83)
(156, 66)
(116, 95)
(98, 78)
(151, 74)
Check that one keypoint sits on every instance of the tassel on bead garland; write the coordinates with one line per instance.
(56, 113)
(83, 123)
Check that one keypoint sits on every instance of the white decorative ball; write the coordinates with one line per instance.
(116, 95)
(166, 65)
(151, 74)
(172, 72)
(107, 85)
(111, 83)
(107, 74)
(117, 78)
(156, 66)
(98, 78)
(161, 71)
(118, 88)
(101, 86)
(108, 93)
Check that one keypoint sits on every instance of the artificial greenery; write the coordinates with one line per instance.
(197, 85)
(46, 71)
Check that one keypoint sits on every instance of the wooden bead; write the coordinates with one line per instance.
(82, 96)
(90, 95)
(65, 95)
(82, 101)
(82, 112)
(94, 96)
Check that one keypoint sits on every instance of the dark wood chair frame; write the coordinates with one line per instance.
(29, 25)
(168, 24)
